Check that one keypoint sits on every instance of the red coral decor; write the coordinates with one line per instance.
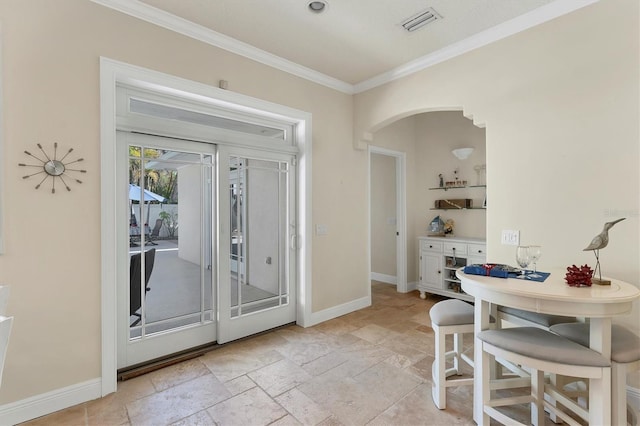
(579, 276)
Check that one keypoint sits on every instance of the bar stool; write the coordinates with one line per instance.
(542, 351)
(625, 357)
(449, 317)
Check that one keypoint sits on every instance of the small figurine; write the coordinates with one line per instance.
(600, 241)
(448, 226)
(441, 180)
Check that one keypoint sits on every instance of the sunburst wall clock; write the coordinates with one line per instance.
(53, 167)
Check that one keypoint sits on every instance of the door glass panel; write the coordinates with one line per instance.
(258, 215)
(170, 199)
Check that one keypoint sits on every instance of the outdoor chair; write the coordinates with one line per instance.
(135, 282)
(155, 232)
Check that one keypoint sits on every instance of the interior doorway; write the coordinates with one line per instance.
(387, 217)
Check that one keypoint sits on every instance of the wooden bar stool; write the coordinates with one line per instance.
(542, 351)
(449, 317)
(625, 358)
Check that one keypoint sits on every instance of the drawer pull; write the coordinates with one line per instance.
(430, 246)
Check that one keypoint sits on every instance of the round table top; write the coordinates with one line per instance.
(554, 295)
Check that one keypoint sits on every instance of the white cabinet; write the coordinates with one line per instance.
(441, 257)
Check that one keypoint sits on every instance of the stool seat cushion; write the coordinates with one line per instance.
(543, 345)
(544, 320)
(451, 312)
(625, 345)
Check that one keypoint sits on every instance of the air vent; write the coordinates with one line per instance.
(421, 19)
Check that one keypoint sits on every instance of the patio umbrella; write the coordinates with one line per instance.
(148, 197)
(134, 194)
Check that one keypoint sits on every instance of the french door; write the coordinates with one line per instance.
(257, 249)
(209, 254)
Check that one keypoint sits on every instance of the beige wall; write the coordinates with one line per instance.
(561, 106)
(50, 79)
(383, 214)
(437, 133)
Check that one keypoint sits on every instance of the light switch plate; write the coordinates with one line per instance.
(510, 237)
(322, 229)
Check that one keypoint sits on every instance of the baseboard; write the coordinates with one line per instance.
(50, 402)
(633, 396)
(338, 311)
(384, 278)
(412, 286)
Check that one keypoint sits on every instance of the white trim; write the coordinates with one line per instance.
(1, 153)
(401, 214)
(338, 311)
(108, 77)
(182, 26)
(384, 278)
(49, 402)
(413, 285)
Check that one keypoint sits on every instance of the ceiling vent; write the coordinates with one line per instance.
(421, 19)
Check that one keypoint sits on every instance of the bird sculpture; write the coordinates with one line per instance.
(600, 241)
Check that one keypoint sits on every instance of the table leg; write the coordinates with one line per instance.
(600, 336)
(600, 341)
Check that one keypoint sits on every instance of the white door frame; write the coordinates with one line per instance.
(113, 72)
(401, 214)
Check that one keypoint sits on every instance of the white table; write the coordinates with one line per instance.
(553, 296)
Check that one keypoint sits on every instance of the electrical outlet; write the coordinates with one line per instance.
(510, 238)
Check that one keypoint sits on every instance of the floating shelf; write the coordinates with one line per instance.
(444, 188)
(467, 208)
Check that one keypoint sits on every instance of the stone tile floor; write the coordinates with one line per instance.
(370, 367)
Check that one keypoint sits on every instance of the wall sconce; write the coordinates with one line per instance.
(462, 153)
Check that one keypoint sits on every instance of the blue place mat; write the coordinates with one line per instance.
(527, 276)
(504, 271)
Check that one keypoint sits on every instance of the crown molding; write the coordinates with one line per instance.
(500, 31)
(182, 26)
(171, 22)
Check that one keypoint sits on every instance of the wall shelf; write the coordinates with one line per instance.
(445, 188)
(466, 208)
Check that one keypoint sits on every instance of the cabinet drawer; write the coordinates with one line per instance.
(457, 248)
(479, 250)
(435, 246)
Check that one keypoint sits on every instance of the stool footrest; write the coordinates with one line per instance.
(564, 416)
(562, 398)
(510, 383)
(505, 420)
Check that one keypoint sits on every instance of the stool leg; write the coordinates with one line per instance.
(457, 349)
(600, 399)
(439, 390)
(618, 394)
(537, 391)
(485, 393)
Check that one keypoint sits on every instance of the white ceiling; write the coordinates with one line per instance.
(354, 44)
